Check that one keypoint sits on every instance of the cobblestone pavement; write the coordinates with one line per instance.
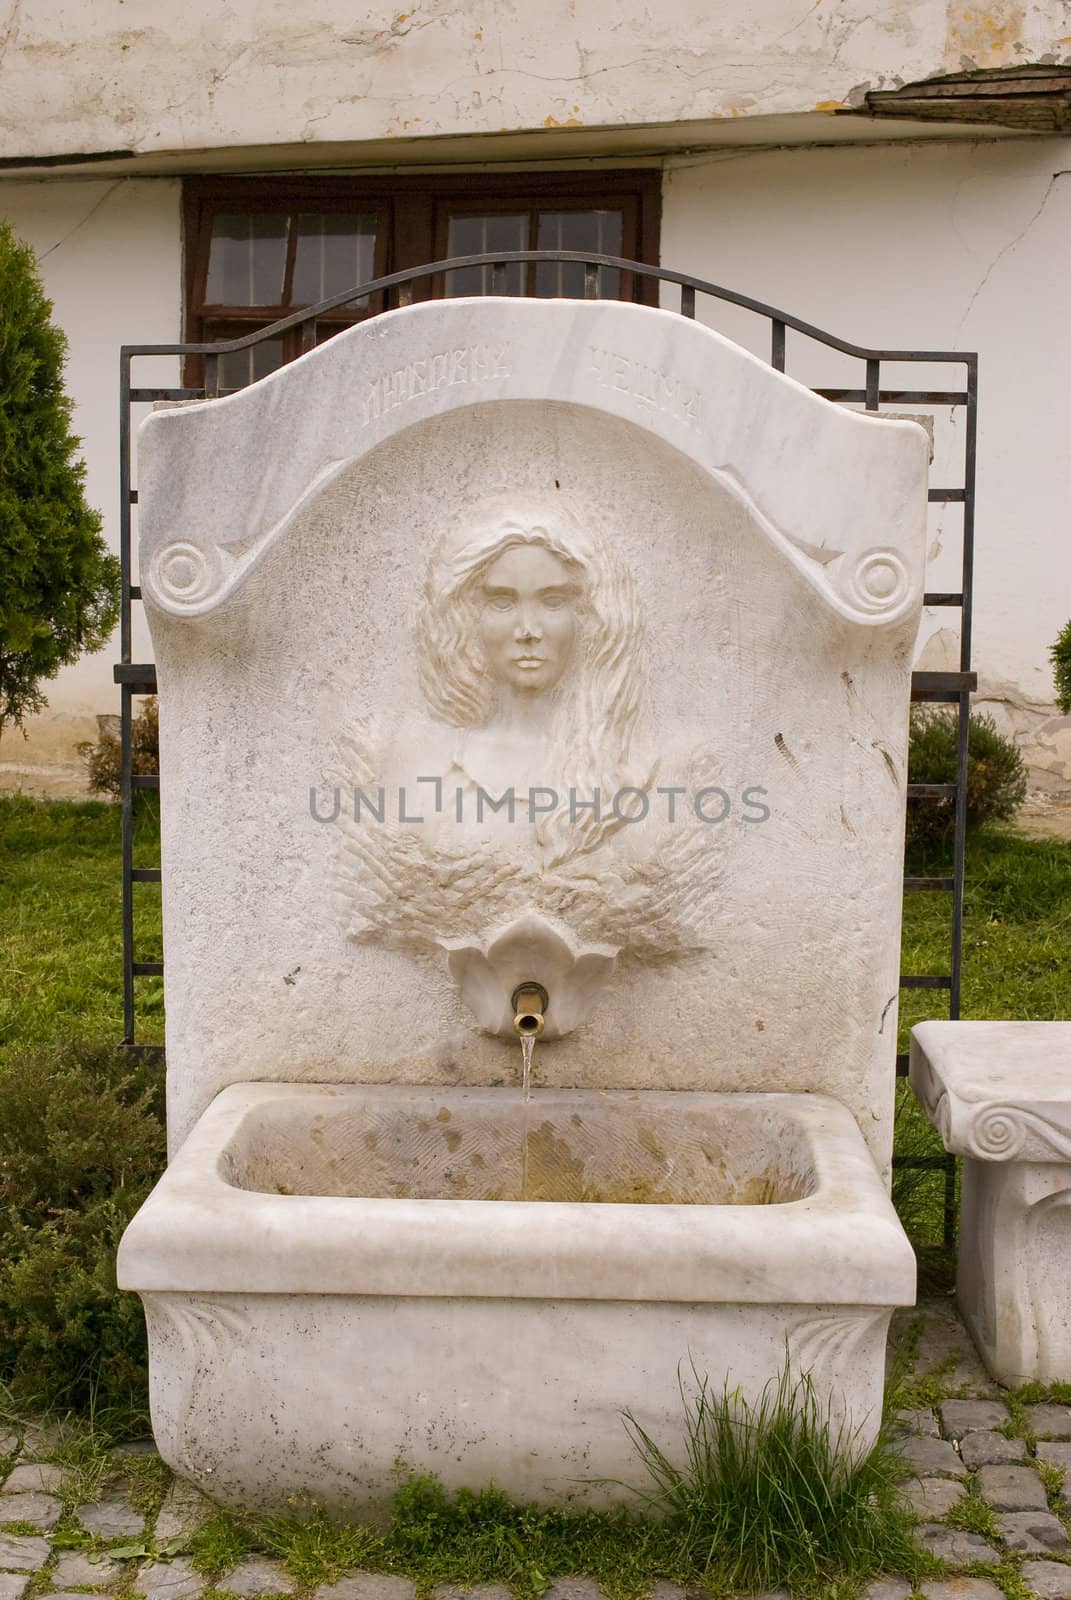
(990, 1481)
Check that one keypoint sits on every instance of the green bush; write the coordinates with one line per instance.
(1061, 664)
(81, 1143)
(59, 590)
(996, 777)
(103, 757)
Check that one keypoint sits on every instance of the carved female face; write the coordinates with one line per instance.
(528, 618)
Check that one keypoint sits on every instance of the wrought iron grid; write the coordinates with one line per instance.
(949, 688)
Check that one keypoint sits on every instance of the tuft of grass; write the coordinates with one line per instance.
(770, 1495)
(972, 1514)
(220, 1544)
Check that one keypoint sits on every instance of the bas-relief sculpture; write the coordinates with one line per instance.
(574, 655)
(999, 1094)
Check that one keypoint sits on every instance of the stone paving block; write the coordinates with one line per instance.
(499, 1591)
(1050, 1422)
(933, 1497)
(1011, 1488)
(184, 1510)
(74, 1570)
(13, 1585)
(959, 1549)
(37, 1477)
(23, 1554)
(9, 1443)
(59, 1594)
(134, 1447)
(111, 1519)
(1035, 1533)
(971, 1416)
(1049, 1579)
(169, 1580)
(887, 1589)
(257, 1575)
(1057, 1455)
(43, 1510)
(932, 1458)
(963, 1589)
(583, 1589)
(918, 1421)
(661, 1591)
(990, 1449)
(371, 1586)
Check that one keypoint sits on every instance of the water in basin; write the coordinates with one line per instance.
(488, 1145)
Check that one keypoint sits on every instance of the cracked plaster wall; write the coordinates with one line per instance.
(154, 77)
(931, 245)
(959, 247)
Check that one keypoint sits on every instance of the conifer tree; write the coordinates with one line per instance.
(59, 586)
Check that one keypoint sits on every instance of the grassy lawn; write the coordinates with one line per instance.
(60, 945)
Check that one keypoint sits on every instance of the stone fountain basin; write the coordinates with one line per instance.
(339, 1278)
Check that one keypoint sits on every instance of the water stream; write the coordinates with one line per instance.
(527, 1046)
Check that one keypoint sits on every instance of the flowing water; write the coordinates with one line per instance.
(527, 1046)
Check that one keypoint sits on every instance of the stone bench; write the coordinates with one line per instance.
(999, 1094)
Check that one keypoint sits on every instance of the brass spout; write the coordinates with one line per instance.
(529, 1002)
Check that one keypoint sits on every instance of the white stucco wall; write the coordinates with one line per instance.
(959, 247)
(110, 257)
(938, 245)
(161, 77)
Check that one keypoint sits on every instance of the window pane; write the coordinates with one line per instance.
(246, 260)
(597, 231)
(240, 367)
(334, 253)
(471, 236)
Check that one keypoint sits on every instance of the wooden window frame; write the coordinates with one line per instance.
(415, 210)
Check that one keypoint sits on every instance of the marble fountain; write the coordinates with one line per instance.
(530, 668)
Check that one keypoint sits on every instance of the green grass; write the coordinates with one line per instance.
(60, 928)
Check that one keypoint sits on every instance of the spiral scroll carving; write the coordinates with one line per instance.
(879, 582)
(185, 576)
(1006, 1132)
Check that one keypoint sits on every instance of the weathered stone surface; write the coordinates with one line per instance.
(932, 1458)
(111, 1519)
(887, 1589)
(169, 1580)
(184, 1510)
(990, 1449)
(1056, 1454)
(963, 1589)
(368, 1586)
(1049, 1579)
(959, 1417)
(13, 1585)
(43, 1510)
(919, 1422)
(933, 1497)
(1049, 1421)
(1011, 1488)
(135, 1447)
(499, 1591)
(19, 1553)
(38, 1477)
(60, 1594)
(578, 1589)
(1035, 1533)
(257, 1575)
(959, 1549)
(9, 1443)
(76, 1570)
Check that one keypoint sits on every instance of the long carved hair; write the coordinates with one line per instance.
(598, 702)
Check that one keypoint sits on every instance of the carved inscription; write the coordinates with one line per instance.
(473, 363)
(654, 389)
